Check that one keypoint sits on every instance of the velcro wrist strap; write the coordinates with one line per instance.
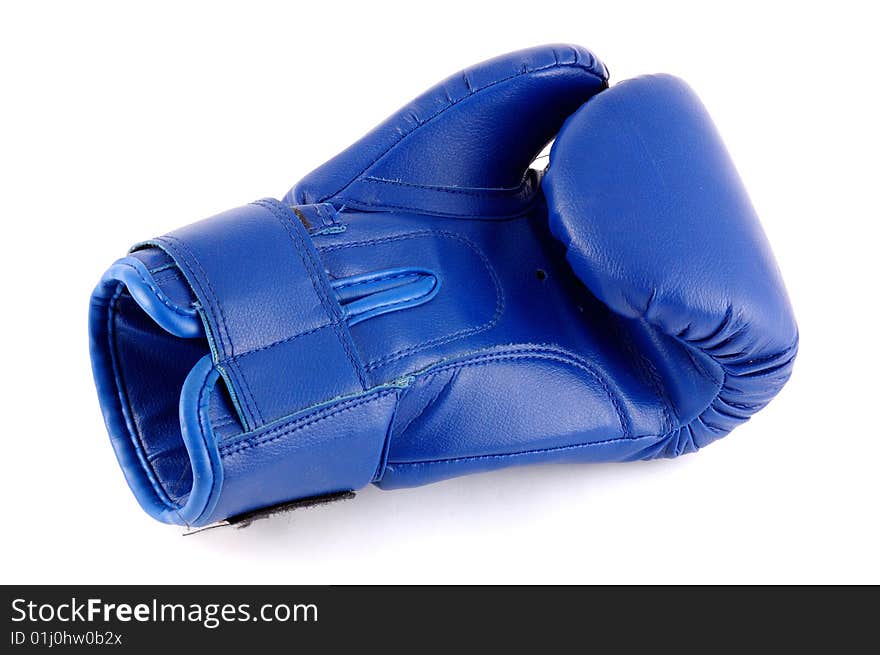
(241, 297)
(270, 314)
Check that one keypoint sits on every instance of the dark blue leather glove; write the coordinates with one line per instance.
(425, 305)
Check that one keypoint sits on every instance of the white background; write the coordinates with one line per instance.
(120, 123)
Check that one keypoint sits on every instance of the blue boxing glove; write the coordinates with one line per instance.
(426, 305)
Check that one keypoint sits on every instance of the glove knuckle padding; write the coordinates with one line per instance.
(658, 226)
(425, 305)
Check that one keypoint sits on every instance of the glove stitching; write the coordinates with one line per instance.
(521, 190)
(241, 355)
(170, 275)
(357, 204)
(399, 354)
(535, 451)
(163, 267)
(251, 398)
(186, 254)
(471, 92)
(160, 295)
(483, 360)
(306, 258)
(388, 305)
(542, 354)
(301, 423)
(384, 278)
(224, 422)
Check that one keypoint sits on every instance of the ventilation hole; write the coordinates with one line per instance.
(541, 274)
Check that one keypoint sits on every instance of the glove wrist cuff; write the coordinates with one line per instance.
(240, 298)
(268, 308)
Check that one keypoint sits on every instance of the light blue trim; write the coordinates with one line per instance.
(206, 330)
(382, 292)
(198, 437)
(114, 404)
(180, 321)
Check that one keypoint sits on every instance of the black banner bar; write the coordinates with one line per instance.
(260, 618)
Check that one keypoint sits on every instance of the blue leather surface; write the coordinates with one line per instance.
(463, 148)
(425, 305)
(703, 272)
